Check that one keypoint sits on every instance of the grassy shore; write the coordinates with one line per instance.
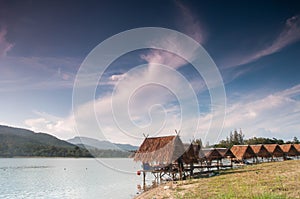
(262, 181)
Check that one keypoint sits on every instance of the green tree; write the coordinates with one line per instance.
(295, 140)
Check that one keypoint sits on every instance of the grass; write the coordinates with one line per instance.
(276, 180)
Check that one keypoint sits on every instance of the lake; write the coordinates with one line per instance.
(68, 178)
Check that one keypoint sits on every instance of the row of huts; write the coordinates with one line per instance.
(169, 156)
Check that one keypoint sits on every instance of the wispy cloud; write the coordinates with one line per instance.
(190, 24)
(5, 46)
(289, 35)
(275, 115)
(37, 73)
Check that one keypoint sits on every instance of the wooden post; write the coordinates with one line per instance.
(144, 180)
(192, 169)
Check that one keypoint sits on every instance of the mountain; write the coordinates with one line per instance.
(103, 144)
(23, 142)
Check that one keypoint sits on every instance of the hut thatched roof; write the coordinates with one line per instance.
(212, 154)
(274, 150)
(191, 153)
(242, 151)
(226, 153)
(297, 146)
(261, 151)
(289, 149)
(164, 150)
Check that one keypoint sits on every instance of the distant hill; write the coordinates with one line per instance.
(23, 142)
(102, 145)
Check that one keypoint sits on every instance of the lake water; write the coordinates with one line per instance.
(68, 178)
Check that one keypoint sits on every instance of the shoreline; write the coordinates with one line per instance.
(23, 157)
(263, 180)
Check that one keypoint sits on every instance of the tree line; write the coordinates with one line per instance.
(237, 138)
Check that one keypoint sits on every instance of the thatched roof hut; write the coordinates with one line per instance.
(191, 153)
(289, 150)
(261, 151)
(274, 150)
(297, 146)
(211, 154)
(160, 150)
(226, 153)
(243, 152)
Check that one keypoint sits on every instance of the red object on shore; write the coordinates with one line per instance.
(138, 173)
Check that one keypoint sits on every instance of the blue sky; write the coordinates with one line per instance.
(255, 45)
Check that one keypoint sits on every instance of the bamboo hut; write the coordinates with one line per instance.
(160, 150)
(274, 150)
(261, 151)
(212, 154)
(191, 153)
(226, 153)
(297, 146)
(207, 156)
(161, 156)
(289, 150)
(243, 152)
(190, 156)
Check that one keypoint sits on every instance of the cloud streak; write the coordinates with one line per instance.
(289, 35)
(5, 46)
(37, 73)
(190, 24)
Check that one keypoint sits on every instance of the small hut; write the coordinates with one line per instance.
(297, 146)
(289, 150)
(243, 152)
(160, 156)
(261, 151)
(226, 153)
(160, 150)
(212, 154)
(190, 156)
(191, 153)
(274, 150)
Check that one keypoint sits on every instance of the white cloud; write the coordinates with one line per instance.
(143, 102)
(277, 114)
(117, 77)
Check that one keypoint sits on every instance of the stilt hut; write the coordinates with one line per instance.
(274, 150)
(226, 153)
(243, 152)
(191, 153)
(297, 146)
(190, 156)
(212, 154)
(289, 150)
(261, 151)
(161, 155)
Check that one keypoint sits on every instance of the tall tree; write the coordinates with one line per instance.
(295, 140)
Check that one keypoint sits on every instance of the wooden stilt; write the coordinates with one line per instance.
(144, 180)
